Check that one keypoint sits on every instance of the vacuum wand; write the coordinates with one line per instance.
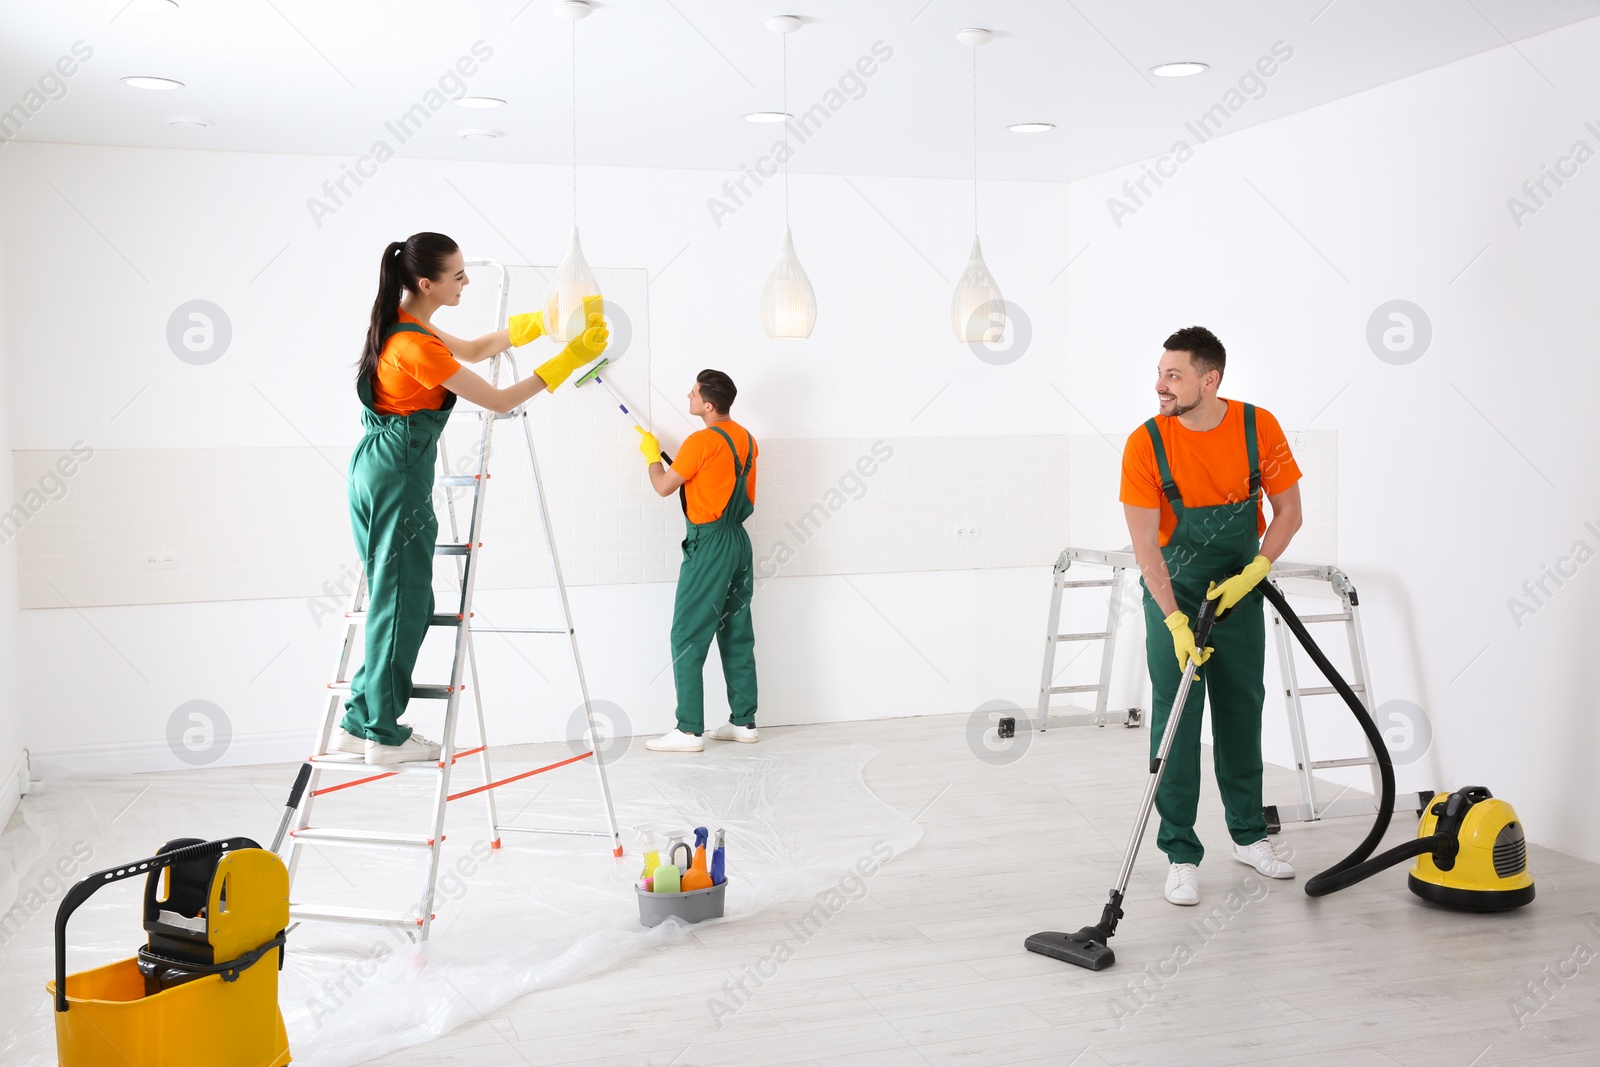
(1088, 947)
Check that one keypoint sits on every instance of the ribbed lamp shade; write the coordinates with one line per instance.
(563, 301)
(977, 310)
(788, 303)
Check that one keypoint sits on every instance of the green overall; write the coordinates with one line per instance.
(714, 588)
(391, 512)
(1207, 544)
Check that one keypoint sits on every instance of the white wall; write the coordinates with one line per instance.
(11, 722)
(114, 240)
(1461, 474)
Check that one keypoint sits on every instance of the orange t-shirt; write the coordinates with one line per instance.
(1210, 467)
(707, 469)
(409, 372)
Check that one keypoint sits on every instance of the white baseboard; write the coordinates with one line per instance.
(137, 757)
(12, 787)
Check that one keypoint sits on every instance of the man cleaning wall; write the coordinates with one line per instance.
(1192, 482)
(716, 468)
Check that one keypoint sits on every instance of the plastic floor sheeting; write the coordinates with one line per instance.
(539, 911)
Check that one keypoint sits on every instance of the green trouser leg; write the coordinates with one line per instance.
(391, 511)
(715, 584)
(1232, 677)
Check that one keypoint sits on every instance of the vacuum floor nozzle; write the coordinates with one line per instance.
(1086, 948)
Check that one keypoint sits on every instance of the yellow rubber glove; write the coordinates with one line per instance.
(525, 328)
(649, 445)
(1183, 641)
(1232, 590)
(580, 351)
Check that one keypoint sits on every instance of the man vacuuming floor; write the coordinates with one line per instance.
(1192, 482)
(716, 469)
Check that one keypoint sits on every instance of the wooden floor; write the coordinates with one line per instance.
(926, 965)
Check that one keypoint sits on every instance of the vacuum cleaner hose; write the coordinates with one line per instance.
(1351, 869)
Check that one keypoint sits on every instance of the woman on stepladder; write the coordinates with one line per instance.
(408, 379)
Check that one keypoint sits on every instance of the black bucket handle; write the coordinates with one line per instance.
(89, 885)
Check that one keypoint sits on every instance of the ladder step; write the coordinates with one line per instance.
(436, 619)
(1343, 616)
(339, 762)
(1101, 636)
(422, 692)
(322, 913)
(448, 549)
(313, 835)
(1075, 689)
(1328, 690)
(1355, 761)
(1095, 583)
(456, 479)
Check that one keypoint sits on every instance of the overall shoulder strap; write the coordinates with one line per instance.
(407, 327)
(1252, 448)
(1168, 486)
(749, 458)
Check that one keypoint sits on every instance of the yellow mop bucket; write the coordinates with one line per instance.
(204, 990)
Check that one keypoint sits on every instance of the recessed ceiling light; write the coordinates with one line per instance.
(479, 101)
(481, 135)
(1184, 69)
(767, 116)
(1031, 127)
(159, 85)
(572, 10)
(188, 120)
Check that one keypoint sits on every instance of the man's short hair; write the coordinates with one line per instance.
(717, 389)
(1205, 351)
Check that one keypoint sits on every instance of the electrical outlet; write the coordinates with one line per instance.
(160, 560)
(968, 533)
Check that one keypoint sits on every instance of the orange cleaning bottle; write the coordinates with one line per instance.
(697, 876)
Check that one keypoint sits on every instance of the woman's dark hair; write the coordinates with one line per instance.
(717, 389)
(419, 256)
(1205, 351)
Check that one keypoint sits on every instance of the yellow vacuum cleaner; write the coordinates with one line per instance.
(204, 988)
(1470, 852)
(1470, 855)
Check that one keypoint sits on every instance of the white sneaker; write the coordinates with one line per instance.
(729, 732)
(675, 741)
(414, 749)
(345, 743)
(1183, 884)
(1264, 858)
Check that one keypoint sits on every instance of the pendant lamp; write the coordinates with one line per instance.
(788, 303)
(564, 317)
(977, 310)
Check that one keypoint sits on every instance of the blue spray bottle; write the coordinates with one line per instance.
(718, 862)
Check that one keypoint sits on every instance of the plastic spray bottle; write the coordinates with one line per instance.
(718, 862)
(698, 877)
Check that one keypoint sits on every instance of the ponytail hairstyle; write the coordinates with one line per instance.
(405, 263)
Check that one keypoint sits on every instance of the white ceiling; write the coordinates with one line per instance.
(663, 83)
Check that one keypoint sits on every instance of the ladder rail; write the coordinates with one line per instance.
(566, 614)
(1298, 740)
(1052, 627)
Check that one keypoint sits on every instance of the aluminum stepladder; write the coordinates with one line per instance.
(463, 548)
(1053, 638)
(1311, 808)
